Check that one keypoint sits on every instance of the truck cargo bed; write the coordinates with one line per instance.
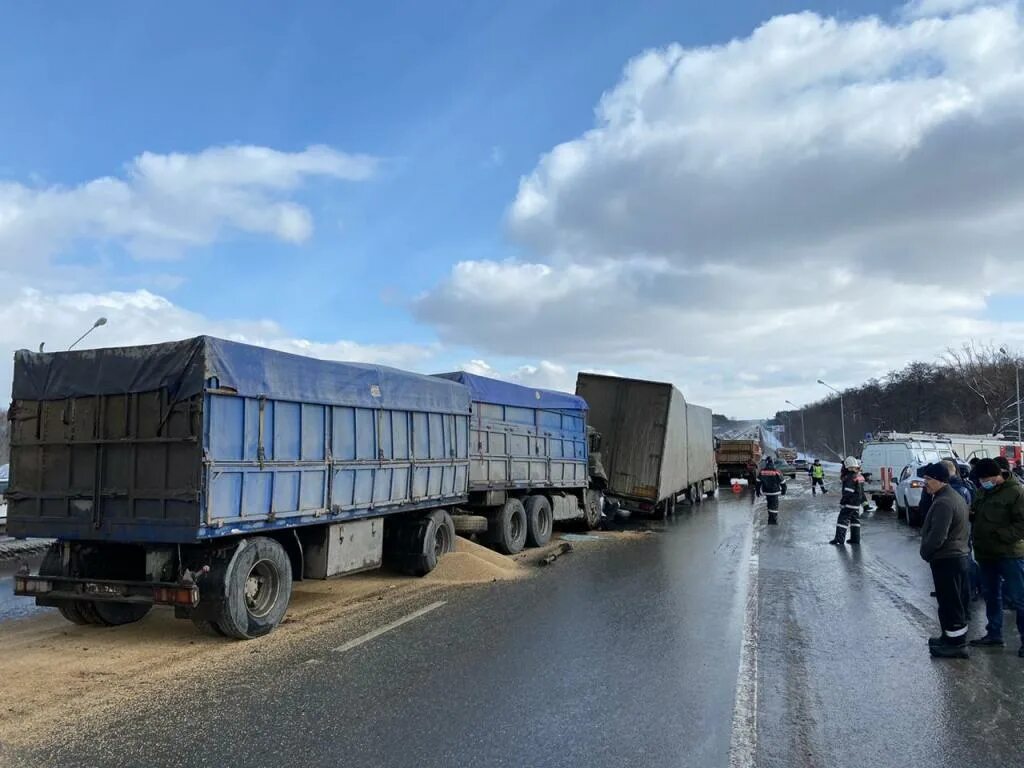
(204, 438)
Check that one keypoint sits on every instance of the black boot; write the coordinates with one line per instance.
(840, 538)
(950, 648)
(854, 534)
(773, 518)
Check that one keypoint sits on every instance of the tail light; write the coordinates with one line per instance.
(916, 484)
(187, 596)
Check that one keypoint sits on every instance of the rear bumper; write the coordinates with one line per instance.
(53, 590)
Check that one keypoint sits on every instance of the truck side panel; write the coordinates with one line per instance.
(232, 439)
(700, 443)
(514, 447)
(675, 473)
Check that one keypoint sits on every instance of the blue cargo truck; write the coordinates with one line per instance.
(209, 475)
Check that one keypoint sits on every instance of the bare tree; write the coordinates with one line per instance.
(989, 376)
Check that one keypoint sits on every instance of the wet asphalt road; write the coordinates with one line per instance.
(625, 654)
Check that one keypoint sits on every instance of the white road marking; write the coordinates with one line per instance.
(743, 745)
(387, 627)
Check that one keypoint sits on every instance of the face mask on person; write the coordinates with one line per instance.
(988, 485)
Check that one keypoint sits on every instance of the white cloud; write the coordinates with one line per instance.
(543, 375)
(162, 204)
(829, 198)
(29, 317)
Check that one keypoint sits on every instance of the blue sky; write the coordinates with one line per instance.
(458, 101)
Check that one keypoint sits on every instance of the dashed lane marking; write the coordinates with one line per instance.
(388, 627)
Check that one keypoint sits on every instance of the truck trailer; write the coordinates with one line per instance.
(209, 475)
(656, 447)
(737, 459)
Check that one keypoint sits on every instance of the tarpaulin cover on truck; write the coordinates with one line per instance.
(485, 390)
(185, 368)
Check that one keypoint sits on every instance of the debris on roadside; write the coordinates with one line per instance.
(563, 549)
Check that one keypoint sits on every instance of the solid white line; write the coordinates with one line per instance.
(743, 745)
(387, 627)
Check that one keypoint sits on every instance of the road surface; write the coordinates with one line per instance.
(716, 641)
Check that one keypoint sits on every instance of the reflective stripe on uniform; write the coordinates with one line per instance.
(772, 493)
(855, 525)
(851, 506)
(956, 632)
(840, 525)
(849, 490)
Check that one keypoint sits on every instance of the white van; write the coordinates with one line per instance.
(896, 453)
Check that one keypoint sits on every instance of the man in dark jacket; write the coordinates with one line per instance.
(998, 515)
(944, 546)
(772, 485)
(850, 503)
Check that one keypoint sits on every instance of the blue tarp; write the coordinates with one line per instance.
(485, 390)
(185, 368)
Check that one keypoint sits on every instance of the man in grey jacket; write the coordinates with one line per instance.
(944, 545)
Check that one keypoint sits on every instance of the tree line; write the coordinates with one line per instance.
(969, 390)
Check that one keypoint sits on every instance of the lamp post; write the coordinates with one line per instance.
(842, 412)
(1016, 369)
(99, 321)
(803, 427)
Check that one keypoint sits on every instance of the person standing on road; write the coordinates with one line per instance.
(772, 485)
(944, 546)
(817, 477)
(753, 483)
(850, 503)
(998, 515)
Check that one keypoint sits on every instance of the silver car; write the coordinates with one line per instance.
(909, 488)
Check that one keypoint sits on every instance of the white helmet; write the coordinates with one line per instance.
(852, 462)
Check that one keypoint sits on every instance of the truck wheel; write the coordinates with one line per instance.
(72, 610)
(116, 614)
(208, 627)
(435, 538)
(592, 514)
(510, 528)
(539, 521)
(466, 525)
(257, 588)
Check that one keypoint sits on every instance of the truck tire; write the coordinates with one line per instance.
(208, 628)
(257, 586)
(434, 538)
(509, 528)
(111, 614)
(467, 525)
(81, 612)
(539, 521)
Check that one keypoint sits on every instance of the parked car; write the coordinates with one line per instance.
(908, 490)
(801, 464)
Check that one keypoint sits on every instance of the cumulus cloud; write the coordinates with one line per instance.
(29, 317)
(543, 375)
(163, 203)
(829, 198)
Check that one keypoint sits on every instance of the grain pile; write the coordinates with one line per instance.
(471, 563)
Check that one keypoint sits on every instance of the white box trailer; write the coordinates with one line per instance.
(656, 447)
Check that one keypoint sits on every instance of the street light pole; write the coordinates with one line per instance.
(99, 321)
(842, 412)
(803, 427)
